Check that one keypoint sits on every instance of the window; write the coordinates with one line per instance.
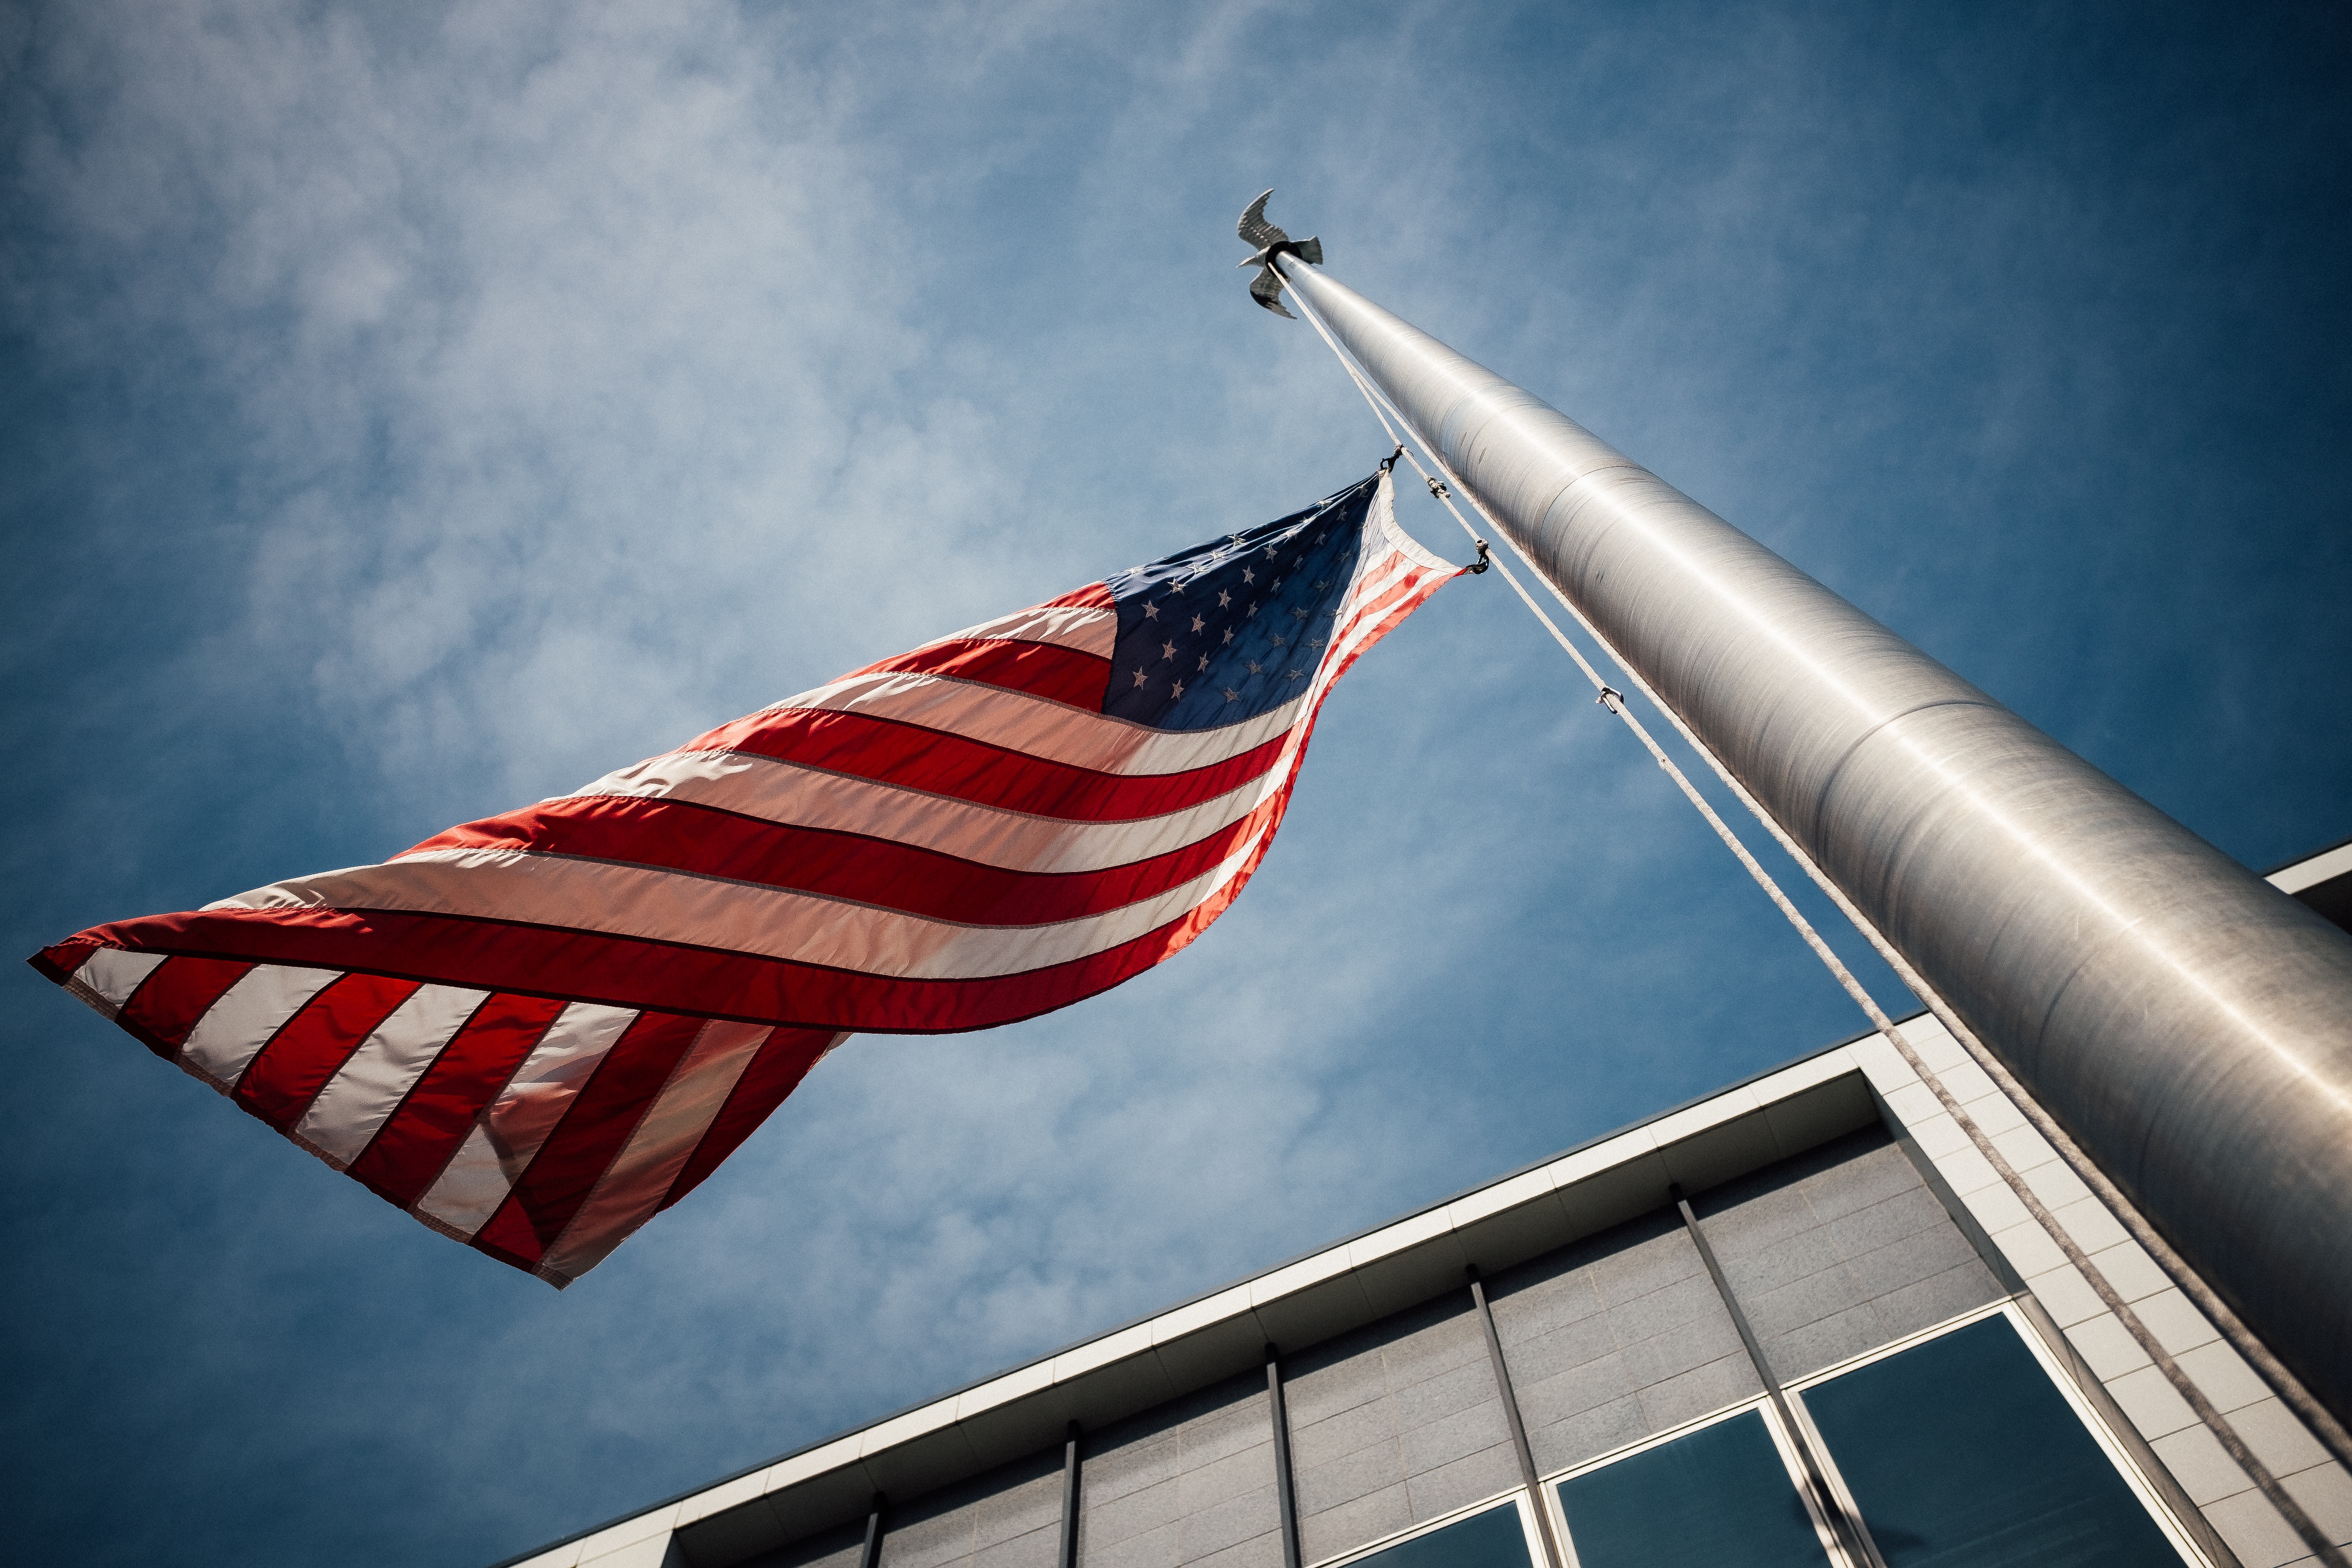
(1494, 1539)
(1961, 1453)
(1718, 1495)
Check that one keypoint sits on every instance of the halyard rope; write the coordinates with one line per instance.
(2289, 1388)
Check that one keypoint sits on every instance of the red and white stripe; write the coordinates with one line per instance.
(535, 1031)
(539, 1130)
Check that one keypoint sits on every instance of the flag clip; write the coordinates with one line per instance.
(1610, 696)
(1486, 557)
(1390, 461)
(1437, 488)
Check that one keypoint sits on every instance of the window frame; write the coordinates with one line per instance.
(1515, 1496)
(2053, 1365)
(2119, 1454)
(1791, 1464)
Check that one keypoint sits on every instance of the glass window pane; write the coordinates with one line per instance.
(1718, 1496)
(1490, 1540)
(1962, 1454)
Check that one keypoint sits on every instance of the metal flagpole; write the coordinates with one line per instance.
(2189, 1026)
(2322, 1425)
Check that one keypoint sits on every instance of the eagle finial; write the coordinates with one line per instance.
(1268, 242)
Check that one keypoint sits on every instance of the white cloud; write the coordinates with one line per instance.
(571, 349)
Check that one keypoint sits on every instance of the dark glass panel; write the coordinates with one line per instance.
(1718, 1496)
(1962, 1454)
(1490, 1540)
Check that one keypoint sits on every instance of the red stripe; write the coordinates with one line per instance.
(781, 1062)
(59, 961)
(1093, 596)
(417, 1141)
(1041, 669)
(889, 750)
(298, 1060)
(176, 994)
(509, 1238)
(594, 1131)
(681, 835)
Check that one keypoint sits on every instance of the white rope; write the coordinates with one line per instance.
(1610, 697)
(2283, 1381)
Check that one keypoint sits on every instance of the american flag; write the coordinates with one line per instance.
(536, 1031)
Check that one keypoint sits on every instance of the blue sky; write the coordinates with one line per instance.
(410, 412)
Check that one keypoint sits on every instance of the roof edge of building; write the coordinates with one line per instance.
(2327, 861)
(1315, 1296)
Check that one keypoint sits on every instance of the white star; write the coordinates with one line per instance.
(1205, 661)
(1252, 609)
(1198, 625)
(1255, 667)
(1278, 643)
(1299, 614)
(1177, 586)
(1322, 584)
(1223, 599)
(1168, 650)
(1230, 694)
(1150, 612)
(1269, 552)
(1139, 680)
(1248, 575)
(1298, 675)
(1319, 537)
(1179, 688)
(1229, 634)
(1278, 585)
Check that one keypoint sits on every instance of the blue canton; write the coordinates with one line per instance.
(1230, 630)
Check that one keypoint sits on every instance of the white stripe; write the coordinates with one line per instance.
(235, 1028)
(470, 1187)
(1038, 725)
(1088, 629)
(633, 1187)
(1059, 732)
(778, 791)
(782, 792)
(108, 976)
(739, 916)
(508, 1135)
(374, 1080)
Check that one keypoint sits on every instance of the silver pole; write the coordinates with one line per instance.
(2188, 1025)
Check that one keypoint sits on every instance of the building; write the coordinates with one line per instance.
(1725, 1334)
